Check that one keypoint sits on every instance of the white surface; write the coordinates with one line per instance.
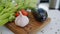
(4, 30)
(52, 28)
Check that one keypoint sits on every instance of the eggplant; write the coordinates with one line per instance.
(39, 14)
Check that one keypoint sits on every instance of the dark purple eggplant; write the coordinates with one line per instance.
(39, 14)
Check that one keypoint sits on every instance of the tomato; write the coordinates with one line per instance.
(17, 14)
(24, 12)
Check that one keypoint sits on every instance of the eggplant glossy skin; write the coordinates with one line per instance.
(40, 14)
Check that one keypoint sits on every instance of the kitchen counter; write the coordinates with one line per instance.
(52, 28)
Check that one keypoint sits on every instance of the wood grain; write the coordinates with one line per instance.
(32, 27)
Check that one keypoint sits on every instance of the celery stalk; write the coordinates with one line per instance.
(6, 15)
(2, 22)
(1, 8)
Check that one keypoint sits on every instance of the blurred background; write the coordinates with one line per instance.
(53, 4)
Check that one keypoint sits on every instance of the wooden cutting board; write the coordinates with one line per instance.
(31, 28)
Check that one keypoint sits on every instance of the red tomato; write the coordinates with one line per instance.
(24, 12)
(17, 14)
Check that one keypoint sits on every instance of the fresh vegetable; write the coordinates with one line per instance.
(1, 8)
(40, 14)
(24, 12)
(24, 4)
(21, 20)
(7, 11)
(11, 18)
(31, 3)
(8, 8)
(6, 15)
(17, 14)
(3, 22)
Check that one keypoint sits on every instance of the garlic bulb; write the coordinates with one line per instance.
(21, 20)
